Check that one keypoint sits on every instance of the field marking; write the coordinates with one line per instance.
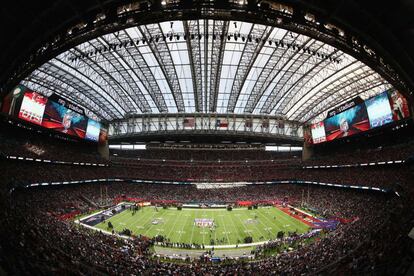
(131, 221)
(204, 215)
(182, 228)
(254, 224)
(224, 225)
(282, 218)
(141, 223)
(147, 216)
(288, 220)
(119, 220)
(192, 233)
(239, 236)
(173, 227)
(215, 228)
(271, 223)
(267, 234)
(151, 218)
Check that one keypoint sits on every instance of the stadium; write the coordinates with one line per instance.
(207, 137)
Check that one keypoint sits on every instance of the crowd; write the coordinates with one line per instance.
(23, 142)
(25, 172)
(38, 242)
(206, 154)
(401, 151)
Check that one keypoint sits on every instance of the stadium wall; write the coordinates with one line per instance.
(103, 149)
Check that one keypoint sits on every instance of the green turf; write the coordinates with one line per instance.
(231, 228)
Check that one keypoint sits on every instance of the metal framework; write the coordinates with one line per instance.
(206, 66)
(206, 124)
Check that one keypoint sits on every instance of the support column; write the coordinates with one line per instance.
(103, 149)
(307, 151)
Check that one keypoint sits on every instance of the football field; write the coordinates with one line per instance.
(230, 227)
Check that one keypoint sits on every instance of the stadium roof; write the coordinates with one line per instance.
(206, 65)
(220, 66)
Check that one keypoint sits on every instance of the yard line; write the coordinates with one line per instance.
(228, 240)
(234, 225)
(285, 217)
(192, 231)
(253, 225)
(265, 226)
(280, 217)
(204, 213)
(173, 227)
(154, 213)
(273, 223)
(135, 220)
(215, 228)
(182, 228)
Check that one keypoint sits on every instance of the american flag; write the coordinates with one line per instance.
(222, 123)
(189, 122)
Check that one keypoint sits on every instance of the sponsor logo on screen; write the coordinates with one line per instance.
(379, 110)
(385, 108)
(399, 106)
(93, 129)
(64, 120)
(33, 107)
(318, 132)
(347, 123)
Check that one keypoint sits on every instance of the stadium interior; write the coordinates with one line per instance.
(207, 137)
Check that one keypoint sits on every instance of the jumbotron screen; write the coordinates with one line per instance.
(93, 130)
(37, 109)
(385, 108)
(318, 132)
(399, 105)
(347, 123)
(64, 120)
(33, 107)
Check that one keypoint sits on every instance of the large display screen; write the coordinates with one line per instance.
(92, 131)
(103, 135)
(318, 132)
(33, 107)
(399, 105)
(347, 123)
(379, 110)
(64, 120)
(38, 109)
(387, 107)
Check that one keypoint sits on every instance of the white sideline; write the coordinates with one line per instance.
(299, 210)
(241, 245)
(78, 221)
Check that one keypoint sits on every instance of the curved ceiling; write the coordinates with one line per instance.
(206, 66)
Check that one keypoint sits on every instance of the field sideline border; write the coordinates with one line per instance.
(79, 222)
(241, 245)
